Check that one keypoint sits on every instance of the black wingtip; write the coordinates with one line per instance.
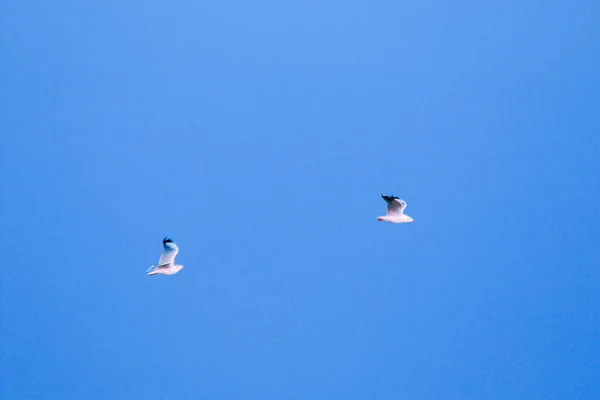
(388, 198)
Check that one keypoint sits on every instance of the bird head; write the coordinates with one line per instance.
(389, 198)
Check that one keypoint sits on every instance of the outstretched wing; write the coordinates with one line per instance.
(168, 255)
(395, 206)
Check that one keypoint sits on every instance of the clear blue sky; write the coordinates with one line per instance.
(260, 136)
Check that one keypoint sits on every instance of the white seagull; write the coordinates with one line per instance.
(166, 262)
(395, 211)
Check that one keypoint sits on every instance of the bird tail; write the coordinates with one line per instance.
(151, 269)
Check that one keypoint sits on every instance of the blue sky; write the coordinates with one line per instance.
(259, 136)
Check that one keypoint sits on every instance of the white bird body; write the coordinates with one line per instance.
(396, 220)
(166, 262)
(395, 211)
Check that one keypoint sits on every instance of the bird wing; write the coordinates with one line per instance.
(169, 253)
(395, 206)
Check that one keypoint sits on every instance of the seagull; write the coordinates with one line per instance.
(395, 211)
(166, 262)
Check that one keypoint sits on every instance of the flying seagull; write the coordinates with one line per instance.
(395, 211)
(166, 263)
